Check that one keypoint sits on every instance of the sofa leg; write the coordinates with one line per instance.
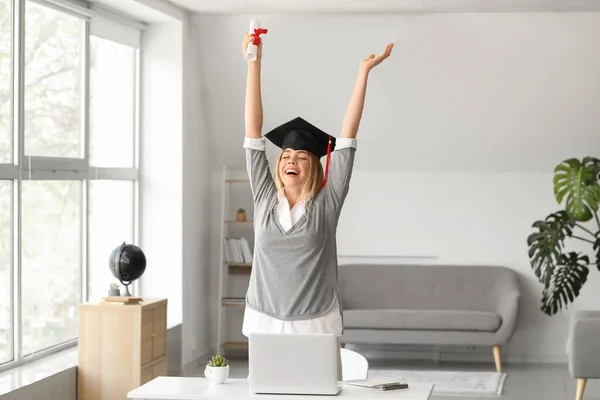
(580, 388)
(498, 358)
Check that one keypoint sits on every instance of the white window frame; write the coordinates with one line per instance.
(98, 22)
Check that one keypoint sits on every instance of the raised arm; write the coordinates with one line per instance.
(357, 102)
(254, 109)
(261, 179)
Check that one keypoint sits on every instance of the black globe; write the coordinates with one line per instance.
(127, 263)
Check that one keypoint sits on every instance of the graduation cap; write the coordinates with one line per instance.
(299, 134)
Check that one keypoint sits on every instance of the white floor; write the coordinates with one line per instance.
(523, 382)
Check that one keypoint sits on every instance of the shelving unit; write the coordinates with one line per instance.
(233, 276)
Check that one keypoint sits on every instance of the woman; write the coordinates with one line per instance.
(293, 284)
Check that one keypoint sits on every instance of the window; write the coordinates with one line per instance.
(53, 95)
(5, 81)
(112, 103)
(6, 326)
(110, 224)
(50, 262)
(5, 271)
(68, 111)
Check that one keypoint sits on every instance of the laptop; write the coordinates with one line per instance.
(283, 363)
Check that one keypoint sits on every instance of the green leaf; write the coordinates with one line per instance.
(217, 361)
(566, 283)
(578, 182)
(545, 245)
(597, 170)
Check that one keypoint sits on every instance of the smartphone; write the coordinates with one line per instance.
(392, 386)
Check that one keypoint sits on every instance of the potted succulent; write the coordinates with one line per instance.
(241, 215)
(217, 369)
(114, 289)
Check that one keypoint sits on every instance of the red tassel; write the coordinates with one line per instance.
(257, 33)
(327, 162)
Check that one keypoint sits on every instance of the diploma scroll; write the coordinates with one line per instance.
(252, 49)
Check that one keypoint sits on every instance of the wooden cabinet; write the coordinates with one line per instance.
(121, 346)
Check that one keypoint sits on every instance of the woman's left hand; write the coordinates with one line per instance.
(368, 63)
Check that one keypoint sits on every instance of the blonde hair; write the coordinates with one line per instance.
(314, 182)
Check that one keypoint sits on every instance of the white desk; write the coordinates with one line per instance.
(188, 388)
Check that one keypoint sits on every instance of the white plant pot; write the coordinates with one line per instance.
(217, 375)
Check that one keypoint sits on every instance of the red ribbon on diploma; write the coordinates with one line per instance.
(257, 33)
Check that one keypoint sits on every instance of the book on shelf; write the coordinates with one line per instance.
(237, 250)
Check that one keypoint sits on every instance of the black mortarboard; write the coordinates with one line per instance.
(299, 134)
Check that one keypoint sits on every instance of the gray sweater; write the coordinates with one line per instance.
(294, 272)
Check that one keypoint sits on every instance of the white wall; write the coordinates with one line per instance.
(457, 143)
(196, 210)
(174, 184)
(161, 178)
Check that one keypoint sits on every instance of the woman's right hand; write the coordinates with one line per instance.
(253, 108)
(248, 38)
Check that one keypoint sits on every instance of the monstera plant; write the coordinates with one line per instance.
(563, 273)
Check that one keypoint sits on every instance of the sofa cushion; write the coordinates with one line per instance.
(452, 320)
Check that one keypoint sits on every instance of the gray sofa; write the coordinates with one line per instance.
(583, 348)
(475, 305)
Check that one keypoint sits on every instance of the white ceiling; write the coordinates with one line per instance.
(378, 6)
